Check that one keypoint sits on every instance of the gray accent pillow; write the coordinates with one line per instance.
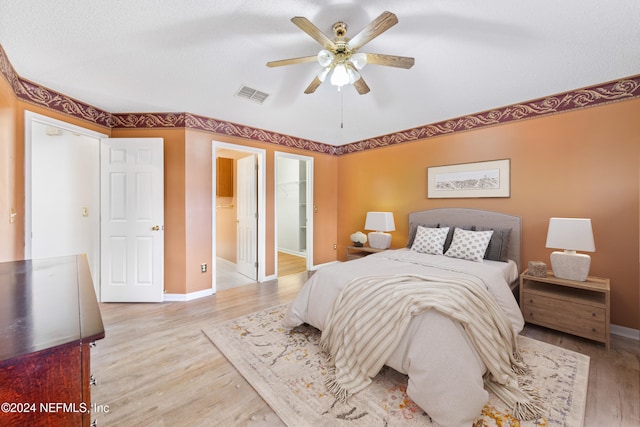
(498, 249)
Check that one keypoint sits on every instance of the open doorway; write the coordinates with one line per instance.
(238, 241)
(294, 213)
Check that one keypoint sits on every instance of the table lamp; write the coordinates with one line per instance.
(380, 222)
(570, 234)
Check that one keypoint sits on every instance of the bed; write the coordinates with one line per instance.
(445, 372)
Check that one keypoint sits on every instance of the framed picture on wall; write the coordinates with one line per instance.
(465, 180)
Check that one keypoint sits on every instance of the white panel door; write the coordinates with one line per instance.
(132, 220)
(247, 212)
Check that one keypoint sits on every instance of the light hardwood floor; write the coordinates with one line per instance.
(156, 368)
(290, 264)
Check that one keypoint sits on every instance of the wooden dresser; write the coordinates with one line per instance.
(49, 317)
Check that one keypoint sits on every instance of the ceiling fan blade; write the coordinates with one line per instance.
(313, 86)
(361, 86)
(390, 60)
(292, 61)
(307, 26)
(378, 26)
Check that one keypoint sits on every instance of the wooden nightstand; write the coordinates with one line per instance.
(577, 308)
(355, 252)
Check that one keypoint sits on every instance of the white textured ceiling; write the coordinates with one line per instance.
(193, 56)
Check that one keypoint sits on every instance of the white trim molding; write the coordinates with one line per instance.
(188, 297)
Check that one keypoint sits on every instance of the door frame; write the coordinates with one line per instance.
(31, 117)
(310, 205)
(261, 155)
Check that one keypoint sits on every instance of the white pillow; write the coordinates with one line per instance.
(430, 240)
(469, 245)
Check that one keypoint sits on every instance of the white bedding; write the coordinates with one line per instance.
(445, 373)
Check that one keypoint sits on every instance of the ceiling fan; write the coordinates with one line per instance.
(340, 58)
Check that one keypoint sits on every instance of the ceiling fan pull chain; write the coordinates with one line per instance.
(341, 109)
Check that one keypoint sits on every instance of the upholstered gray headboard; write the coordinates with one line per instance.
(463, 217)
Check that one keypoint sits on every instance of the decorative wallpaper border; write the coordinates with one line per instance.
(232, 129)
(220, 127)
(574, 100)
(619, 90)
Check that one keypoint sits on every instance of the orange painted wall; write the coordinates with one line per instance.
(580, 164)
(199, 204)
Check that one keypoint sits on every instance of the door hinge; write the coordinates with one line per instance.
(256, 264)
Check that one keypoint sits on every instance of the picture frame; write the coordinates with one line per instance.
(470, 180)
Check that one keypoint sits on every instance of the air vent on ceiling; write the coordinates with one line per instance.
(252, 94)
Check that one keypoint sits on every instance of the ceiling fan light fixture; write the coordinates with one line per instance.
(339, 57)
(359, 60)
(354, 76)
(322, 75)
(340, 76)
(325, 58)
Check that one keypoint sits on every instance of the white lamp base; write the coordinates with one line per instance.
(570, 265)
(379, 240)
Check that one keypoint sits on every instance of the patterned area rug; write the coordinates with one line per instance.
(287, 368)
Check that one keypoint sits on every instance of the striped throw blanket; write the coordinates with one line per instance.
(371, 314)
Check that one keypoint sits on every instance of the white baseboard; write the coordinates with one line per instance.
(292, 252)
(623, 331)
(189, 296)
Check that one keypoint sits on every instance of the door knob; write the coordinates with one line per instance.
(155, 228)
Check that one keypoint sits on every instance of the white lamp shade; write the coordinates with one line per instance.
(322, 75)
(359, 60)
(325, 58)
(340, 77)
(354, 76)
(379, 221)
(573, 234)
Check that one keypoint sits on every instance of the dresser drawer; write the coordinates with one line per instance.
(562, 307)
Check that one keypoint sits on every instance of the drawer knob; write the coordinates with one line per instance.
(593, 329)
(531, 301)
(593, 314)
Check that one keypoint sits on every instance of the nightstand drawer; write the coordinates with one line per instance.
(566, 322)
(562, 307)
